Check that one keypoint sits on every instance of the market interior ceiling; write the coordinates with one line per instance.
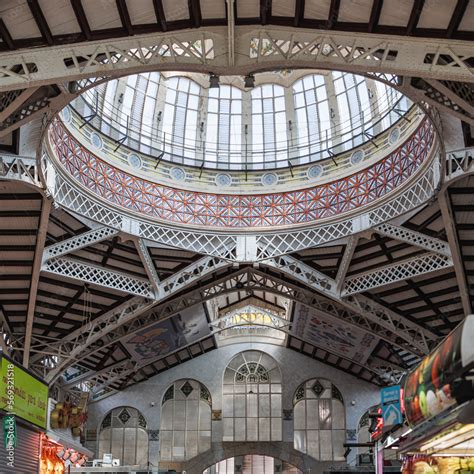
(39, 310)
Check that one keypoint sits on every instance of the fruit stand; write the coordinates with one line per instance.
(439, 407)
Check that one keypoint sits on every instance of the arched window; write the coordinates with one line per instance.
(224, 124)
(123, 432)
(185, 427)
(180, 118)
(252, 398)
(319, 420)
(269, 127)
(313, 122)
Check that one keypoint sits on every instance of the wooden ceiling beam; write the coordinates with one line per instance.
(125, 16)
(160, 15)
(414, 16)
(6, 36)
(194, 7)
(41, 21)
(375, 15)
(333, 14)
(81, 18)
(299, 12)
(456, 18)
(265, 11)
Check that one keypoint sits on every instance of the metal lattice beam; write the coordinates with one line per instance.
(85, 272)
(400, 271)
(412, 237)
(390, 323)
(78, 242)
(206, 49)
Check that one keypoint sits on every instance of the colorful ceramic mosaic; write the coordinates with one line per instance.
(301, 207)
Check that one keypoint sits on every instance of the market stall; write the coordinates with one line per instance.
(439, 407)
(23, 414)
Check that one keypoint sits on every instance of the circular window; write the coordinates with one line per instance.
(394, 135)
(223, 179)
(96, 141)
(269, 179)
(315, 171)
(357, 157)
(134, 161)
(177, 173)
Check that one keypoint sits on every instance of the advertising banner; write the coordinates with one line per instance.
(22, 394)
(428, 388)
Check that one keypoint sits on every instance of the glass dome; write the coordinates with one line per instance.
(179, 119)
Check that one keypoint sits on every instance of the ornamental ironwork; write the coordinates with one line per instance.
(242, 211)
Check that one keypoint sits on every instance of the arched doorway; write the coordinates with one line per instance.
(124, 433)
(252, 464)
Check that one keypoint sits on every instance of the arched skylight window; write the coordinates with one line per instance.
(313, 121)
(269, 126)
(180, 118)
(224, 124)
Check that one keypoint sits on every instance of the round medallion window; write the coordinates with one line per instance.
(223, 179)
(269, 179)
(177, 173)
(315, 171)
(96, 141)
(134, 161)
(394, 135)
(357, 157)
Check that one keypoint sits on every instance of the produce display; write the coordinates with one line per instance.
(428, 390)
(421, 464)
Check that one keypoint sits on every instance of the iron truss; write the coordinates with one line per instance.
(247, 280)
(266, 48)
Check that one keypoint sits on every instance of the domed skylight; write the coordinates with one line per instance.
(180, 119)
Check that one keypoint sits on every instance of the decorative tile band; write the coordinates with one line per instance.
(301, 207)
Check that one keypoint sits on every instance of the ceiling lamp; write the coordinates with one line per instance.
(249, 81)
(213, 81)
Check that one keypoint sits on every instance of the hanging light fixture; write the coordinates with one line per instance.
(213, 81)
(249, 81)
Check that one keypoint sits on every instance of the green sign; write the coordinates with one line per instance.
(9, 432)
(22, 394)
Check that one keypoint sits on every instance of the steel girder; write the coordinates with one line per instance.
(413, 335)
(395, 272)
(19, 168)
(264, 48)
(385, 370)
(76, 342)
(78, 242)
(412, 237)
(459, 163)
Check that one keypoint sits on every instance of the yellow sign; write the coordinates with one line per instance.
(22, 394)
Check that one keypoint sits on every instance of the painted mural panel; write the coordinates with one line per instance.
(332, 335)
(186, 327)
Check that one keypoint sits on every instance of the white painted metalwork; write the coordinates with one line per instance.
(414, 238)
(459, 163)
(269, 47)
(78, 242)
(400, 271)
(19, 168)
(388, 320)
(149, 266)
(345, 262)
(97, 275)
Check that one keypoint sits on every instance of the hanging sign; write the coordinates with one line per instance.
(9, 432)
(391, 406)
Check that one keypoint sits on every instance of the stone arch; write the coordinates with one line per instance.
(280, 450)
